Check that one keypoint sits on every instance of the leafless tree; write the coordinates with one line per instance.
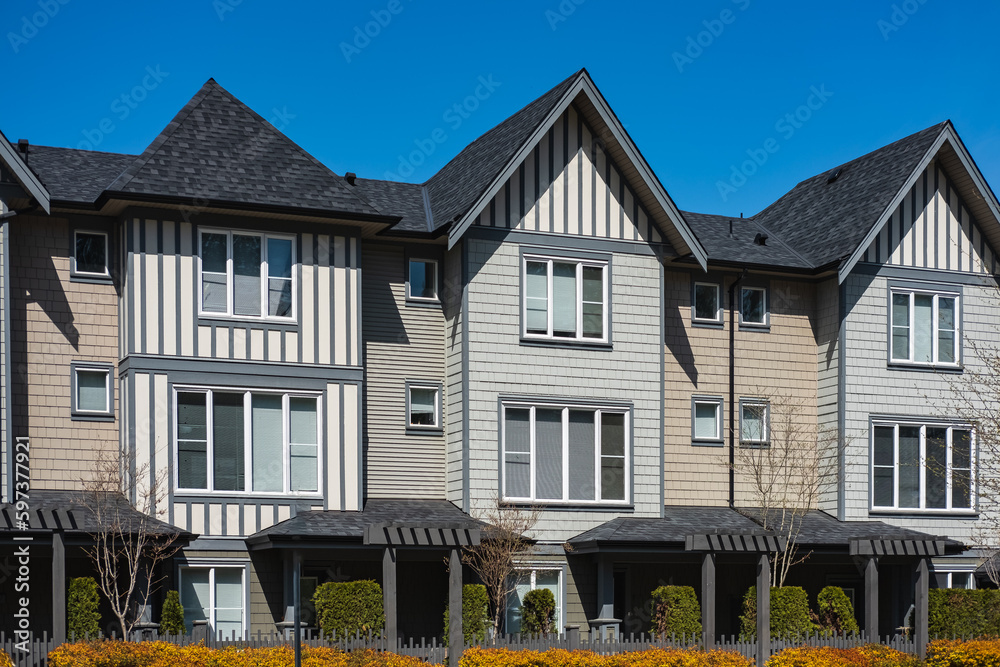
(505, 540)
(129, 543)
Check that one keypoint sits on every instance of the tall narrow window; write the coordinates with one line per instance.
(214, 272)
(565, 299)
(279, 277)
(924, 328)
(192, 441)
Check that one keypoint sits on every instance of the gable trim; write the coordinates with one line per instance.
(22, 172)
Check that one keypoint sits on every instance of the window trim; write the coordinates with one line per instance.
(757, 326)
(765, 441)
(212, 565)
(532, 404)
(948, 291)
(719, 402)
(580, 260)
(89, 276)
(436, 299)
(79, 414)
(534, 566)
(438, 388)
(718, 319)
(895, 423)
(248, 443)
(230, 306)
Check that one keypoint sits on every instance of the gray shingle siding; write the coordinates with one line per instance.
(454, 390)
(828, 375)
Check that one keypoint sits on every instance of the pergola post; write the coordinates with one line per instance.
(456, 637)
(871, 600)
(297, 603)
(708, 600)
(763, 609)
(389, 597)
(58, 588)
(920, 607)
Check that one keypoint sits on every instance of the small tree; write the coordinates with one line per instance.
(172, 615)
(538, 612)
(129, 543)
(494, 559)
(83, 616)
(836, 613)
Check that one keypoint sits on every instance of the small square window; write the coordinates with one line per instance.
(706, 419)
(92, 392)
(90, 254)
(753, 306)
(754, 425)
(706, 307)
(423, 409)
(421, 283)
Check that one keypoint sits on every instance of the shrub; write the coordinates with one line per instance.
(870, 655)
(676, 612)
(950, 653)
(789, 613)
(475, 614)
(83, 618)
(346, 609)
(172, 615)
(5, 660)
(956, 612)
(836, 613)
(538, 612)
(479, 657)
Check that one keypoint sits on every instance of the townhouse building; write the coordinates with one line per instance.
(331, 377)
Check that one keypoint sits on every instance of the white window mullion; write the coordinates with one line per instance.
(597, 454)
(895, 466)
(230, 276)
(579, 301)
(934, 330)
(210, 435)
(923, 467)
(286, 439)
(211, 599)
(247, 442)
(911, 324)
(550, 311)
(531, 445)
(264, 279)
(948, 469)
(565, 454)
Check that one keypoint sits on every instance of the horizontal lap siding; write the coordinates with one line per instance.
(401, 343)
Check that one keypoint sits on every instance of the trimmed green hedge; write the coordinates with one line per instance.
(538, 612)
(172, 615)
(676, 612)
(789, 613)
(956, 612)
(345, 609)
(475, 614)
(83, 617)
(836, 613)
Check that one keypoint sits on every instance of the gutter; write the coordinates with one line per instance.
(732, 388)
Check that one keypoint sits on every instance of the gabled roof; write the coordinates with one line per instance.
(216, 149)
(75, 176)
(394, 198)
(23, 174)
(733, 239)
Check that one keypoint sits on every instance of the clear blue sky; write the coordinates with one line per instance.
(891, 68)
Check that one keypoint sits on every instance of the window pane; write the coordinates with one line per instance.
(517, 469)
(195, 595)
(612, 456)
(753, 422)
(279, 297)
(564, 300)
(923, 323)
(92, 390)
(961, 489)
(423, 281)
(192, 441)
(279, 258)
(961, 580)
(706, 302)
(706, 421)
(213, 253)
(422, 406)
(302, 430)
(946, 330)
(91, 253)
(884, 454)
(612, 478)
(593, 302)
(548, 449)
(268, 454)
(937, 467)
(537, 295)
(581, 455)
(227, 432)
(229, 602)
(612, 434)
(213, 292)
(514, 600)
(883, 487)
(304, 464)
(549, 579)
(753, 306)
(909, 466)
(900, 326)
(246, 274)
(961, 443)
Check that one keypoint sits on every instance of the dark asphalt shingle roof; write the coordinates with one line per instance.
(392, 198)
(66, 511)
(349, 526)
(218, 149)
(713, 232)
(73, 175)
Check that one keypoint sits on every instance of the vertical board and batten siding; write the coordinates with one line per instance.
(828, 386)
(161, 308)
(401, 343)
(454, 388)
(933, 229)
(569, 185)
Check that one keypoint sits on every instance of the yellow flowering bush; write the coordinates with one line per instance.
(480, 657)
(5, 660)
(870, 655)
(975, 653)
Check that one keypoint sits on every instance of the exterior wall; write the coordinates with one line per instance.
(568, 185)
(500, 365)
(401, 342)
(56, 321)
(5, 439)
(778, 363)
(455, 397)
(828, 387)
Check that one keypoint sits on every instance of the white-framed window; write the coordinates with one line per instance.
(216, 594)
(755, 417)
(960, 577)
(706, 419)
(91, 391)
(529, 578)
(247, 441)
(565, 299)
(565, 454)
(423, 406)
(90, 254)
(422, 280)
(924, 329)
(246, 274)
(922, 466)
(753, 306)
(706, 303)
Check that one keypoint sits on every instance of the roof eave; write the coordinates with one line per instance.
(24, 175)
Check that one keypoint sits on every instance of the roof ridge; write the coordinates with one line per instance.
(786, 246)
(80, 150)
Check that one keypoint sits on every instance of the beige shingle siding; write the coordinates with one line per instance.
(780, 362)
(55, 322)
(400, 343)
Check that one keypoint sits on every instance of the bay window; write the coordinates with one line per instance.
(565, 299)
(924, 328)
(568, 454)
(242, 441)
(245, 274)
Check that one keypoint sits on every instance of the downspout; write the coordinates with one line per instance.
(732, 388)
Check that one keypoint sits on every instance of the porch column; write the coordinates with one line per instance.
(763, 610)
(708, 600)
(297, 605)
(456, 638)
(58, 588)
(389, 596)
(871, 600)
(920, 633)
